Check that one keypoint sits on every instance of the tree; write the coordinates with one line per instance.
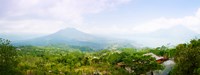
(8, 61)
(187, 58)
(140, 64)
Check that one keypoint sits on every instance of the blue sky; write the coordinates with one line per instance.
(97, 16)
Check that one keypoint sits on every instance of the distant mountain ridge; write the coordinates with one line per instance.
(173, 35)
(176, 32)
(70, 36)
(74, 37)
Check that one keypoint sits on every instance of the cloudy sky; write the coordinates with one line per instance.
(97, 16)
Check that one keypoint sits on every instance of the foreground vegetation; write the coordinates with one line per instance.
(49, 60)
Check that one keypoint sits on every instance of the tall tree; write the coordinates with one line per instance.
(8, 61)
(187, 58)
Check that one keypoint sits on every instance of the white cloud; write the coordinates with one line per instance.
(47, 16)
(192, 22)
(42, 16)
(72, 10)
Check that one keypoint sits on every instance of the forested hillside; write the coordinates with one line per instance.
(51, 60)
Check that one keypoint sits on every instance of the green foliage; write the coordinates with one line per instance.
(163, 51)
(66, 60)
(187, 58)
(8, 58)
(48, 60)
(140, 64)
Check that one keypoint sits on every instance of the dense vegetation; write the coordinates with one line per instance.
(8, 58)
(51, 60)
(187, 59)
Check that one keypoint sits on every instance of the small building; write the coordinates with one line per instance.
(168, 63)
(159, 59)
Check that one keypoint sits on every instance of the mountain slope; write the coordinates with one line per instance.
(68, 36)
(176, 32)
(174, 35)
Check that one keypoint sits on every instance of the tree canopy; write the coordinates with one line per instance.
(187, 58)
(8, 57)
